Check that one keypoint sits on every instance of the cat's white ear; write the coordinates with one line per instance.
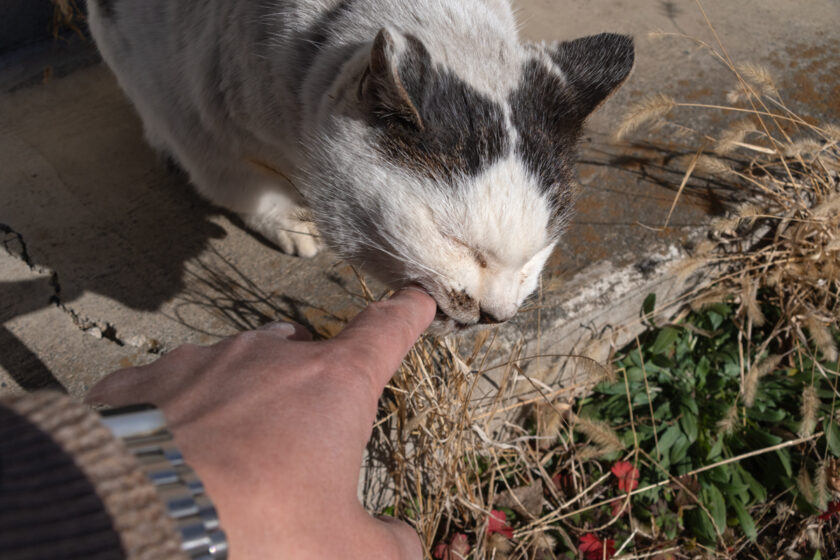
(594, 66)
(381, 88)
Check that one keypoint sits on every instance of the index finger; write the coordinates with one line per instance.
(385, 331)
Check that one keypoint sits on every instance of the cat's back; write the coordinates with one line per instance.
(215, 68)
(163, 43)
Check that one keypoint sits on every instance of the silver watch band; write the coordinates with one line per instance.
(145, 435)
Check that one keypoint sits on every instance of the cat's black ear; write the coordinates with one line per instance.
(594, 66)
(382, 88)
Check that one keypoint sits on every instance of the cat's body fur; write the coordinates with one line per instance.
(428, 143)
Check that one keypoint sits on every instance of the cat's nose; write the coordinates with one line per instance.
(485, 318)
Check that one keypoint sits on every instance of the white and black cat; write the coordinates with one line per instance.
(427, 143)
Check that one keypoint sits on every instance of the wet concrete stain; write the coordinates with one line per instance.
(813, 85)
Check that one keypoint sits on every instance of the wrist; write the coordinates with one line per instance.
(86, 474)
(142, 431)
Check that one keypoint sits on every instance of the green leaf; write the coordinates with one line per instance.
(688, 423)
(662, 410)
(745, 520)
(832, 436)
(662, 361)
(736, 492)
(611, 388)
(680, 448)
(715, 319)
(716, 449)
(668, 439)
(701, 370)
(784, 457)
(721, 309)
(635, 374)
(716, 505)
(756, 488)
(701, 526)
(719, 476)
(760, 438)
(649, 304)
(636, 358)
(766, 415)
(664, 340)
(690, 403)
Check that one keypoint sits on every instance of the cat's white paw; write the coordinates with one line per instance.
(292, 235)
(297, 237)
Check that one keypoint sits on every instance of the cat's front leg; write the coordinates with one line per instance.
(266, 200)
(285, 223)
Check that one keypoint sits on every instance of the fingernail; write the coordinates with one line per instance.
(281, 327)
(412, 288)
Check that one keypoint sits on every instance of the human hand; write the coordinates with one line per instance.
(276, 425)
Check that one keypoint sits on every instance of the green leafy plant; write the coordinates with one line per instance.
(725, 437)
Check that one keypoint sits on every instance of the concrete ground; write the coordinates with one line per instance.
(108, 260)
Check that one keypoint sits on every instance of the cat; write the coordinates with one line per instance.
(425, 141)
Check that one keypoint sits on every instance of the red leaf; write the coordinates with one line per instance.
(457, 549)
(563, 482)
(441, 551)
(833, 507)
(593, 549)
(497, 524)
(459, 546)
(628, 476)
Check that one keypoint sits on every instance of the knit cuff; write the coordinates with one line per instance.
(137, 513)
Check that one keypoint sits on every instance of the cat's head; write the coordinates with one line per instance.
(459, 182)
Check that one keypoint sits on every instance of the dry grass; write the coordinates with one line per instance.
(462, 433)
(67, 15)
(453, 445)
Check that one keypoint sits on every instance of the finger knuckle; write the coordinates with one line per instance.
(184, 351)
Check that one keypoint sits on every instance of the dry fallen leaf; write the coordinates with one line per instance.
(525, 500)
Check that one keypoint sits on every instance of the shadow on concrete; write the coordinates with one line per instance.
(649, 165)
(217, 287)
(20, 298)
(25, 367)
(136, 258)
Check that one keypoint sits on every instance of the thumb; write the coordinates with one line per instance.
(385, 331)
(404, 536)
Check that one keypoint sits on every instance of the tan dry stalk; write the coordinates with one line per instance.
(758, 76)
(805, 485)
(599, 432)
(821, 337)
(712, 166)
(644, 112)
(821, 492)
(750, 301)
(755, 373)
(803, 147)
(454, 446)
(708, 297)
(810, 404)
(67, 15)
(729, 422)
(725, 226)
(734, 136)
(831, 132)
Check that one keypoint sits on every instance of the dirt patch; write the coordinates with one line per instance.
(813, 83)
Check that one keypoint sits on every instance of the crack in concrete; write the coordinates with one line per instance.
(10, 236)
(97, 329)
(15, 245)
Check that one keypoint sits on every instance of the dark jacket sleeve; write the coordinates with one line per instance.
(69, 489)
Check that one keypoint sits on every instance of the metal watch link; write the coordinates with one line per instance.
(143, 431)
